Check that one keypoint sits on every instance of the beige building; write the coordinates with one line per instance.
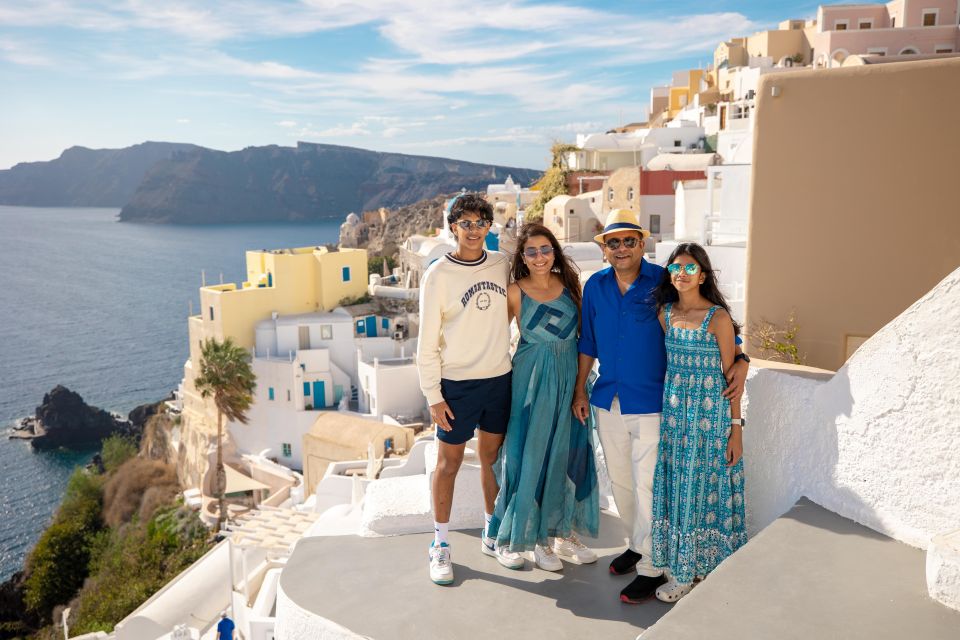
(854, 208)
(337, 436)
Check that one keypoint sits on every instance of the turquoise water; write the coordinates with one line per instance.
(100, 307)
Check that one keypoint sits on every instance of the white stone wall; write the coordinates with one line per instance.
(878, 442)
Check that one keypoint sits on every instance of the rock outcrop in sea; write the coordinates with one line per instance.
(65, 420)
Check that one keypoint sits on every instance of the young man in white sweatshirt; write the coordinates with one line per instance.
(464, 364)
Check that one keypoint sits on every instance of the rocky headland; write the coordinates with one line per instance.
(63, 419)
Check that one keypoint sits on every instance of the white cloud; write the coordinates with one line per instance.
(286, 123)
(183, 120)
(393, 132)
(24, 54)
(339, 131)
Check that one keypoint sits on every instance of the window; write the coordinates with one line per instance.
(930, 17)
(326, 332)
(361, 327)
(572, 212)
(287, 449)
(841, 25)
(346, 274)
(865, 23)
(306, 389)
(288, 395)
(270, 393)
(945, 48)
(678, 143)
(629, 193)
(211, 312)
(877, 51)
(610, 194)
(655, 223)
(384, 323)
(893, 22)
(388, 444)
(909, 51)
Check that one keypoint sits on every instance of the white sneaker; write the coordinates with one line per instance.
(441, 568)
(509, 559)
(572, 549)
(546, 559)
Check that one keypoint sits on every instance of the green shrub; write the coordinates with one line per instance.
(116, 450)
(136, 562)
(58, 563)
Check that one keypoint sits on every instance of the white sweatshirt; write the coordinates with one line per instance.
(464, 333)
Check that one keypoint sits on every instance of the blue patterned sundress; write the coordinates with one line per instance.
(698, 506)
(548, 481)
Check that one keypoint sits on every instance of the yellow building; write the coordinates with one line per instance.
(686, 84)
(281, 281)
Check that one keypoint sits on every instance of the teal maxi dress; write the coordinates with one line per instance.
(548, 480)
(698, 506)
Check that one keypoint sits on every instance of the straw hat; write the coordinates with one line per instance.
(621, 220)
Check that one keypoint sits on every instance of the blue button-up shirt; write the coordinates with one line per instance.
(623, 332)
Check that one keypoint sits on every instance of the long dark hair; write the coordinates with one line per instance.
(666, 293)
(562, 265)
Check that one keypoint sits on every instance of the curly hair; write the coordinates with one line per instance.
(469, 203)
(562, 265)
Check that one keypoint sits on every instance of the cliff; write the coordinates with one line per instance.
(306, 182)
(83, 177)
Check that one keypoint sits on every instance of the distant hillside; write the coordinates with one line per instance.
(308, 182)
(83, 177)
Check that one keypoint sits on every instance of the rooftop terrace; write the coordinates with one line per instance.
(811, 574)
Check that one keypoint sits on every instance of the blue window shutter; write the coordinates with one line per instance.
(306, 388)
(270, 391)
(346, 274)
(361, 327)
(385, 323)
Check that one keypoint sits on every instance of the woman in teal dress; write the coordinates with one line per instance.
(698, 505)
(548, 484)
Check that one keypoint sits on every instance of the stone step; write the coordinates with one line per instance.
(812, 574)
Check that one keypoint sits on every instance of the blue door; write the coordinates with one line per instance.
(319, 395)
(371, 326)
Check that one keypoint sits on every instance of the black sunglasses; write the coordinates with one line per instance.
(614, 243)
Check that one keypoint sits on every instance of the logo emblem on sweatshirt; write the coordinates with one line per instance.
(481, 291)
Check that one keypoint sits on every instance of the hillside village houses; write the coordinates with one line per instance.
(309, 353)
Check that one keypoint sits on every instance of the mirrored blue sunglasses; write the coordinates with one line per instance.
(691, 268)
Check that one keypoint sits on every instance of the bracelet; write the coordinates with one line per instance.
(738, 422)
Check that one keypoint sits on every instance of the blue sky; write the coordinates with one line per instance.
(482, 81)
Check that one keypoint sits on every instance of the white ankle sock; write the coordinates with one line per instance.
(487, 517)
(440, 532)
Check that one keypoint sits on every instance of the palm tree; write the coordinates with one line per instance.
(225, 374)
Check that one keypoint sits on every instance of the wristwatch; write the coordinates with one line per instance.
(742, 356)
(738, 422)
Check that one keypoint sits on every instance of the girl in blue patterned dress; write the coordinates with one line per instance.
(698, 506)
(548, 485)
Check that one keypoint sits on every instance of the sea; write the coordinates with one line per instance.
(100, 307)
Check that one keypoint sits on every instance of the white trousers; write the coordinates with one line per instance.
(630, 445)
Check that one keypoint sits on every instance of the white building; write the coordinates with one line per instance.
(571, 218)
(310, 362)
(609, 151)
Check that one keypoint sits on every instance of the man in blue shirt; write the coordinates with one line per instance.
(620, 327)
(225, 627)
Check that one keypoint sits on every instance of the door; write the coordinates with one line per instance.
(371, 326)
(319, 395)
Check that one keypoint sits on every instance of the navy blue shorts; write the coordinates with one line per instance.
(483, 403)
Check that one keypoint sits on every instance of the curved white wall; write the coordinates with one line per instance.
(878, 442)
